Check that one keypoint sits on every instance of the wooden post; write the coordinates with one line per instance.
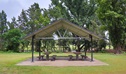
(33, 48)
(39, 49)
(91, 48)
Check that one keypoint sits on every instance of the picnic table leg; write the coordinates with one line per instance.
(70, 57)
(39, 57)
(42, 57)
(76, 56)
(47, 57)
(82, 57)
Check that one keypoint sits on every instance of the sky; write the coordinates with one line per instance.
(13, 8)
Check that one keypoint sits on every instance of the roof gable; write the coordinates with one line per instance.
(43, 32)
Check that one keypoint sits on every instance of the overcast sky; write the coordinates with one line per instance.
(14, 7)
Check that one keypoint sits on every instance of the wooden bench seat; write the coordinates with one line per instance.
(40, 57)
(53, 57)
(83, 57)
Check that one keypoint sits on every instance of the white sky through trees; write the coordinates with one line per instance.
(13, 8)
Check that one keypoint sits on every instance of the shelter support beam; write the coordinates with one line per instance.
(91, 47)
(39, 48)
(65, 33)
(33, 48)
(59, 33)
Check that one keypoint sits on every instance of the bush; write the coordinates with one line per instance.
(12, 40)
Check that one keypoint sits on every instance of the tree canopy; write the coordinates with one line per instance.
(112, 14)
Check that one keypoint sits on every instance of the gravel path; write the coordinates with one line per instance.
(62, 61)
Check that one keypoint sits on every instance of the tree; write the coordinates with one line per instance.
(35, 18)
(102, 44)
(13, 24)
(3, 26)
(112, 13)
(34, 13)
(32, 19)
(22, 21)
(24, 44)
(77, 11)
(3, 22)
(12, 40)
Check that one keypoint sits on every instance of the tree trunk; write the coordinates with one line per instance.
(80, 47)
(118, 49)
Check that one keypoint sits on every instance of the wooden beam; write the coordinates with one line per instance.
(65, 32)
(33, 48)
(39, 49)
(91, 48)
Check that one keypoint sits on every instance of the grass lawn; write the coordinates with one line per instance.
(117, 65)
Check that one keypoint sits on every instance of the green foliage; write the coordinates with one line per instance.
(12, 40)
(3, 22)
(36, 19)
(13, 24)
(24, 44)
(32, 19)
(3, 26)
(76, 11)
(22, 21)
(112, 14)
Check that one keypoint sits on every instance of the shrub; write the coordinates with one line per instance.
(12, 40)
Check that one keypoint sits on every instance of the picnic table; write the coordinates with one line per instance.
(47, 55)
(77, 54)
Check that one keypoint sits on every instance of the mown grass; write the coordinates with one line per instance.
(8, 61)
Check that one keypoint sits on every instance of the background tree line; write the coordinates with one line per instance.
(98, 16)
